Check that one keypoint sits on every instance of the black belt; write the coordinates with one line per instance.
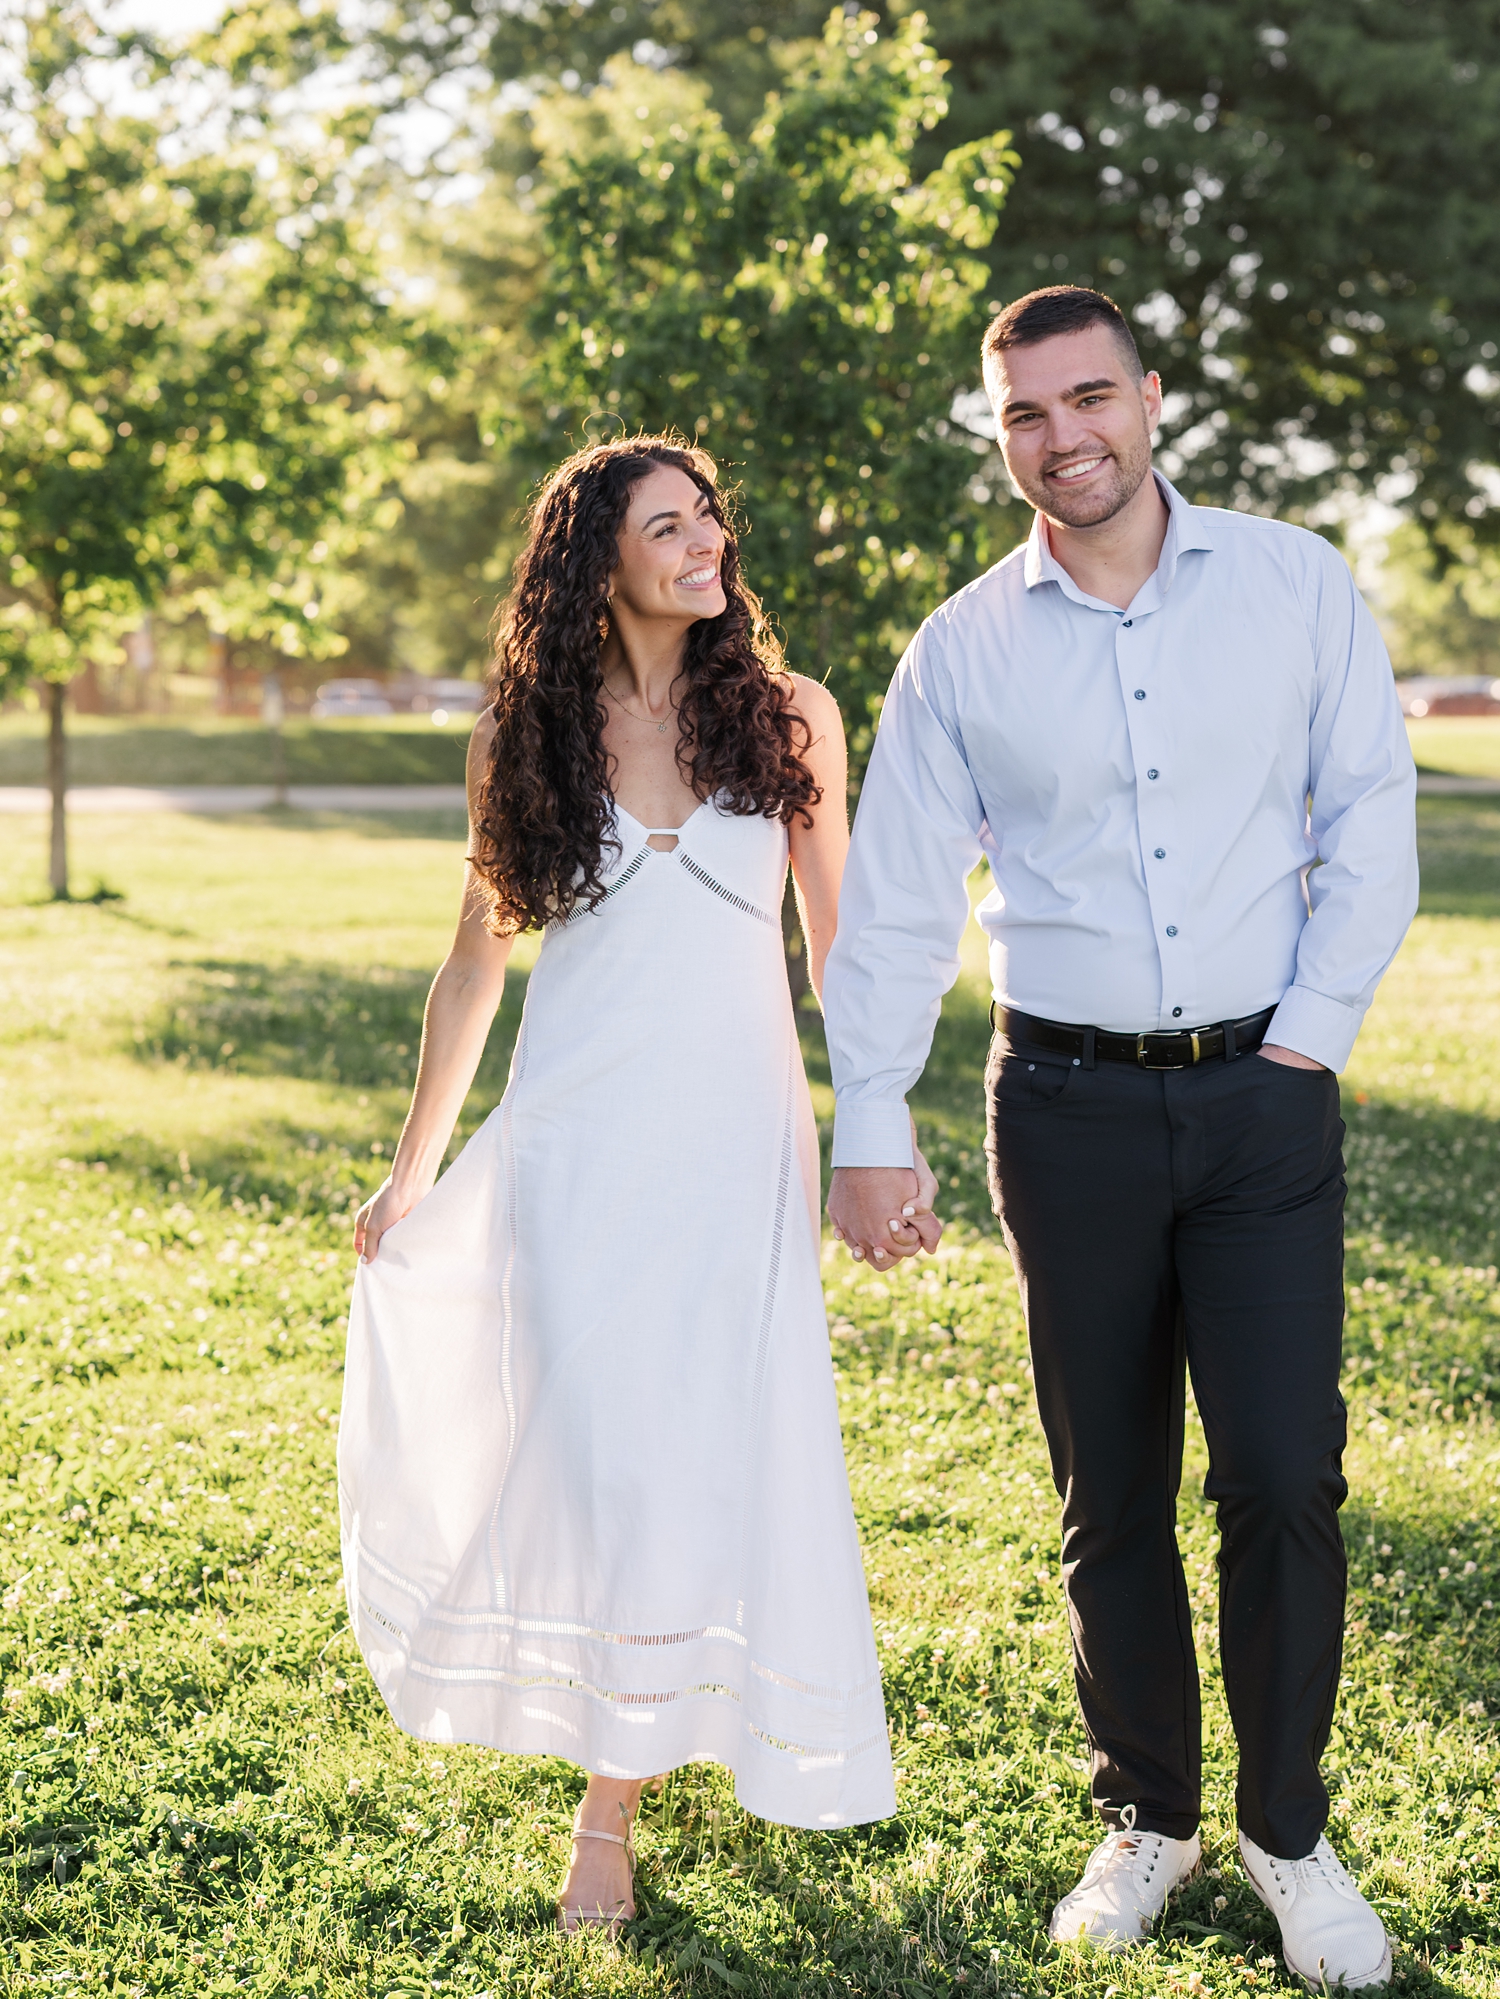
(1178, 1048)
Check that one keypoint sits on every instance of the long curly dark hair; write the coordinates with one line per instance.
(544, 816)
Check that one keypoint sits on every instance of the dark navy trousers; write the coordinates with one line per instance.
(1163, 1219)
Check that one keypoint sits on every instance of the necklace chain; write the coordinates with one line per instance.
(660, 727)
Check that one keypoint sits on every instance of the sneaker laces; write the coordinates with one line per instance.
(1321, 1865)
(1142, 1849)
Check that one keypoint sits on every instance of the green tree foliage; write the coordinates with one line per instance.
(1300, 200)
(428, 583)
(797, 301)
(190, 407)
(1440, 601)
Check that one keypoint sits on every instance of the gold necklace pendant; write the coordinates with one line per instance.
(660, 727)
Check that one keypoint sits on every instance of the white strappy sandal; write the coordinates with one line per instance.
(571, 1920)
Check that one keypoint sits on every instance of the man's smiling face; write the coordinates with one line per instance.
(1075, 423)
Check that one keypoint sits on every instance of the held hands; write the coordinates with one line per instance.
(885, 1213)
(385, 1207)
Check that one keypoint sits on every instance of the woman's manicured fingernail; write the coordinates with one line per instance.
(908, 1210)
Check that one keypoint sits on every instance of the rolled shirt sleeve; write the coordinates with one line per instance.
(1362, 892)
(902, 909)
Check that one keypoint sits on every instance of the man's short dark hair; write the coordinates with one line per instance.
(1059, 309)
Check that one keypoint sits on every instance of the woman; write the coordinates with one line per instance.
(593, 1494)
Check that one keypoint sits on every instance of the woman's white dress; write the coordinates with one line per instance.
(592, 1485)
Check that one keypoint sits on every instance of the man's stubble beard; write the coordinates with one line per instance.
(1131, 470)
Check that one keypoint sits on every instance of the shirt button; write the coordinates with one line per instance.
(1128, 623)
(1161, 853)
(1140, 694)
(1177, 1013)
(1171, 929)
(1151, 773)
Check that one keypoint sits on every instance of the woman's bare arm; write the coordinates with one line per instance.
(818, 855)
(820, 850)
(461, 1008)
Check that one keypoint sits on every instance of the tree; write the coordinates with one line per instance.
(797, 302)
(1298, 199)
(427, 583)
(1439, 601)
(191, 407)
(419, 591)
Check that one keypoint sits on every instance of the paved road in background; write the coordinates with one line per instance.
(230, 798)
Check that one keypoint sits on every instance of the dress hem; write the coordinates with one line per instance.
(762, 1791)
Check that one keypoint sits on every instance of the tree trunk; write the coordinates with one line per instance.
(273, 714)
(218, 666)
(57, 784)
(794, 945)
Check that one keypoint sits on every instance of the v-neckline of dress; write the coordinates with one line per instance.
(661, 832)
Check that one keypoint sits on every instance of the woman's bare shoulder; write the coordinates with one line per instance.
(481, 737)
(815, 704)
(477, 762)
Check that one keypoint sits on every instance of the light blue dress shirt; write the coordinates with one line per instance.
(1139, 782)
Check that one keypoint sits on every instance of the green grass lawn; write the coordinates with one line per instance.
(127, 749)
(1458, 745)
(204, 1793)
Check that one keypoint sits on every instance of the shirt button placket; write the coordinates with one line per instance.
(1153, 811)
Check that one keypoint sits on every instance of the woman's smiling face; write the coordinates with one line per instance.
(670, 548)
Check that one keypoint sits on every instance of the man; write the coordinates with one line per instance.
(1174, 734)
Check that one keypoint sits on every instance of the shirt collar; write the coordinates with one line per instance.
(1187, 527)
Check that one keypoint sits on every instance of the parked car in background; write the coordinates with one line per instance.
(1471, 694)
(452, 697)
(338, 699)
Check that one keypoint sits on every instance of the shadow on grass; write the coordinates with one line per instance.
(1459, 842)
(938, 1945)
(1424, 1177)
(153, 926)
(313, 1021)
(1434, 1633)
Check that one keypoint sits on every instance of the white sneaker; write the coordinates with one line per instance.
(1329, 1933)
(1124, 1887)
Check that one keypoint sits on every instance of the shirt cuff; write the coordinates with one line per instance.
(1312, 1024)
(872, 1134)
